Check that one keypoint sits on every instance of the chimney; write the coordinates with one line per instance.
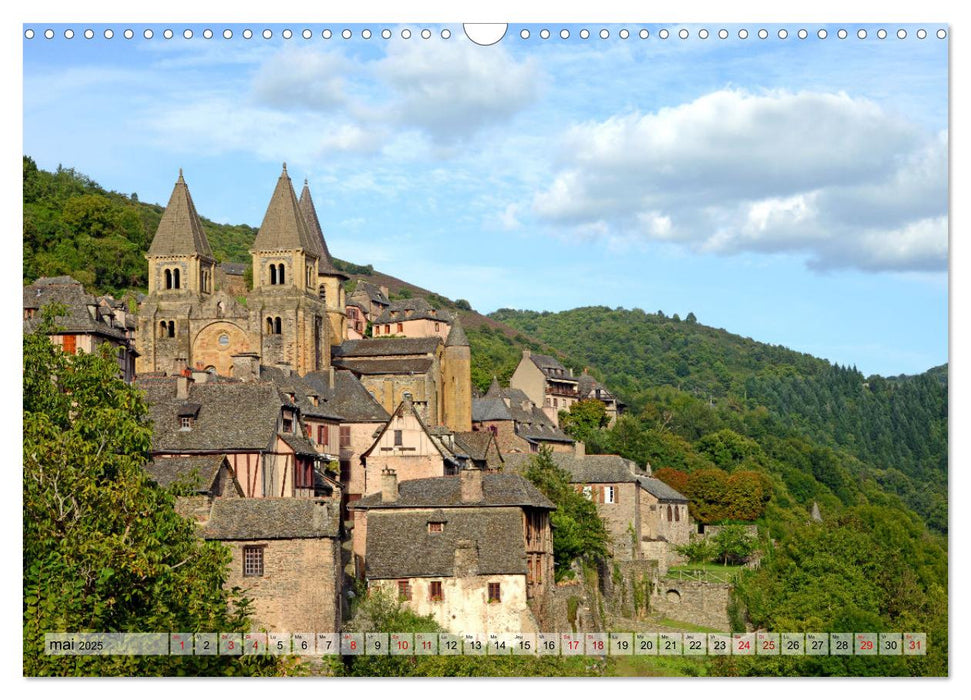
(471, 485)
(384, 290)
(466, 558)
(200, 376)
(246, 366)
(389, 485)
(526, 353)
(179, 365)
(182, 383)
(579, 449)
(330, 377)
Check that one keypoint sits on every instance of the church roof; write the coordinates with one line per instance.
(456, 336)
(284, 226)
(180, 232)
(386, 347)
(326, 264)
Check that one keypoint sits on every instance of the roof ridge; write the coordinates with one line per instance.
(284, 225)
(309, 211)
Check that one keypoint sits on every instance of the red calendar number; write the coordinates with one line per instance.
(744, 644)
(768, 645)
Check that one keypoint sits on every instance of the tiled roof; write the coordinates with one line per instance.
(234, 416)
(476, 445)
(284, 226)
(412, 310)
(400, 546)
(552, 368)
(200, 472)
(446, 492)
(78, 318)
(456, 336)
(662, 491)
(300, 445)
(381, 347)
(302, 389)
(585, 469)
(373, 292)
(271, 519)
(588, 387)
(489, 409)
(180, 232)
(233, 268)
(531, 422)
(403, 365)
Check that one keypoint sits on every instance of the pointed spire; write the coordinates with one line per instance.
(326, 264)
(180, 232)
(494, 389)
(284, 226)
(456, 336)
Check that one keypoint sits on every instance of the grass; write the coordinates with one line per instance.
(719, 570)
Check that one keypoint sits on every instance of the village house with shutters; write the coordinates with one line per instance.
(317, 454)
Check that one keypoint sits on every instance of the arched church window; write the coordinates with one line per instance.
(163, 328)
(269, 324)
(323, 293)
(171, 329)
(283, 279)
(168, 279)
(175, 279)
(276, 325)
(272, 274)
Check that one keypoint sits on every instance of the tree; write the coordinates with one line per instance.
(578, 532)
(104, 549)
(706, 491)
(733, 544)
(463, 304)
(584, 418)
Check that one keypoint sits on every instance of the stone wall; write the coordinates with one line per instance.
(298, 591)
(697, 602)
(621, 517)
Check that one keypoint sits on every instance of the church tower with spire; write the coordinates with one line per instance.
(457, 380)
(330, 280)
(289, 312)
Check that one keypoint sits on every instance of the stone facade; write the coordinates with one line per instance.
(696, 602)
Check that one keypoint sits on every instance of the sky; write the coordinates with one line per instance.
(791, 190)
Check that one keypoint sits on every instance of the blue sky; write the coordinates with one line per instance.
(791, 190)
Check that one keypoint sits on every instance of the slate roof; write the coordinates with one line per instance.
(412, 310)
(456, 336)
(476, 444)
(284, 226)
(381, 347)
(531, 422)
(302, 389)
(585, 469)
(326, 264)
(373, 292)
(489, 409)
(349, 398)
(400, 546)
(403, 365)
(78, 318)
(233, 268)
(233, 416)
(200, 472)
(271, 519)
(589, 386)
(300, 445)
(446, 492)
(552, 368)
(180, 232)
(662, 491)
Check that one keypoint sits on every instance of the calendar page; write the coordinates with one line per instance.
(549, 348)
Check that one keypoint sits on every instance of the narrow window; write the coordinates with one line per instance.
(272, 274)
(387, 328)
(322, 435)
(323, 293)
(282, 274)
(436, 328)
(401, 328)
(608, 494)
(669, 513)
(435, 591)
(397, 438)
(436, 527)
(277, 326)
(404, 590)
(185, 423)
(168, 279)
(252, 561)
(163, 329)
(175, 279)
(70, 344)
(677, 513)
(495, 595)
(345, 436)
(171, 329)
(303, 478)
(269, 325)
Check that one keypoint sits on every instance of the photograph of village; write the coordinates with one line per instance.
(404, 339)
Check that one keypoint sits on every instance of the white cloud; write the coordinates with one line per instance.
(821, 174)
(452, 89)
(301, 78)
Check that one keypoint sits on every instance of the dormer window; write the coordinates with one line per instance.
(314, 401)
(288, 421)
(185, 423)
(436, 527)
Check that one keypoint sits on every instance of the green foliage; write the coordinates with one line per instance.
(698, 550)
(733, 545)
(352, 269)
(463, 304)
(104, 550)
(584, 419)
(578, 532)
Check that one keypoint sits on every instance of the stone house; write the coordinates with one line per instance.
(258, 430)
(436, 374)
(482, 449)
(474, 551)
(207, 477)
(408, 446)
(547, 383)
(286, 557)
(590, 388)
(357, 321)
(370, 298)
(412, 318)
(645, 518)
(88, 321)
(518, 424)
